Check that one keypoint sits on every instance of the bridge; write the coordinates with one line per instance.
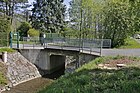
(50, 54)
(89, 46)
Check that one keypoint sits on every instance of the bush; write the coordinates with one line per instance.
(32, 32)
(5, 26)
(4, 41)
(23, 29)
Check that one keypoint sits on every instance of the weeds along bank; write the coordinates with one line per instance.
(103, 75)
(17, 69)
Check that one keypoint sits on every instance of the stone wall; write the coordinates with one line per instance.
(19, 69)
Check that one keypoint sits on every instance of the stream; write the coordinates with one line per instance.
(33, 86)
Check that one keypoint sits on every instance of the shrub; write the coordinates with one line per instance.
(32, 32)
(4, 39)
(5, 26)
(23, 29)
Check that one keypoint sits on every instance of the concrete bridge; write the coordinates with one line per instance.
(51, 60)
(51, 55)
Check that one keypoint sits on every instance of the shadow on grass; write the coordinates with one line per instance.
(126, 80)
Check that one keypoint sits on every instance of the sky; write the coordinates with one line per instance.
(66, 2)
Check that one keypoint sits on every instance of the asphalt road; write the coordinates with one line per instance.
(123, 52)
(104, 52)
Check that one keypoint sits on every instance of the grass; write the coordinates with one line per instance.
(9, 50)
(90, 79)
(3, 79)
(130, 44)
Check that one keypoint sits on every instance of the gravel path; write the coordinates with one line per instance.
(30, 86)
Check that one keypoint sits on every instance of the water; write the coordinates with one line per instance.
(56, 74)
(35, 85)
(31, 86)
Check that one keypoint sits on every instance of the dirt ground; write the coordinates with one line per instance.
(31, 86)
(119, 63)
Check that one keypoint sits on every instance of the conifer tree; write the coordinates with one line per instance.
(48, 15)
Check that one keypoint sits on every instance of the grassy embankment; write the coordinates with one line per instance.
(130, 44)
(90, 79)
(6, 49)
(3, 79)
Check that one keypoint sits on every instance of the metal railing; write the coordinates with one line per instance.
(83, 45)
(106, 43)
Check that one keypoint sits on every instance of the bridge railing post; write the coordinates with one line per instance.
(90, 45)
(11, 37)
(101, 47)
(23, 42)
(17, 39)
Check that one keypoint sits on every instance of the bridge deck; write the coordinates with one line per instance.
(93, 51)
(88, 46)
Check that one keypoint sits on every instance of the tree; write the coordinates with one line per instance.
(107, 19)
(117, 22)
(48, 15)
(23, 29)
(135, 15)
(75, 16)
(4, 26)
(9, 7)
(32, 32)
(84, 17)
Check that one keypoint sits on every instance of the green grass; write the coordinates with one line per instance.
(90, 79)
(6, 49)
(130, 44)
(3, 80)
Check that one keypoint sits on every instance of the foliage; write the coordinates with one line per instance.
(9, 7)
(75, 15)
(5, 26)
(23, 29)
(109, 19)
(85, 17)
(6, 49)
(93, 80)
(135, 15)
(130, 43)
(53, 35)
(48, 15)
(32, 32)
(117, 22)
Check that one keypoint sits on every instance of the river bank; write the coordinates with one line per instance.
(31, 86)
(119, 74)
(19, 70)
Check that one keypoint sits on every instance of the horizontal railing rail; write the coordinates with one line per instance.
(91, 45)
